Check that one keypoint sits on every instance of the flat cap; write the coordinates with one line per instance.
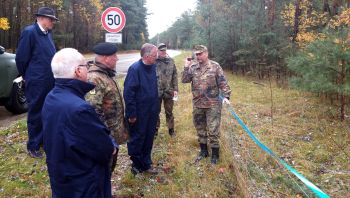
(105, 49)
(161, 46)
(200, 49)
(46, 12)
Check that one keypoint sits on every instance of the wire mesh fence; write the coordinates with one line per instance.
(258, 173)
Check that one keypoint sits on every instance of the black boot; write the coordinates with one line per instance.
(203, 153)
(156, 133)
(171, 132)
(214, 155)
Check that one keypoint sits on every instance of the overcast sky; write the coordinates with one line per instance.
(163, 13)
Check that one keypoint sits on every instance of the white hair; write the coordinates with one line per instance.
(65, 61)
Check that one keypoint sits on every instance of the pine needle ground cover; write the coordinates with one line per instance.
(299, 127)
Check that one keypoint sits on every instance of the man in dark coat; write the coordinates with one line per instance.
(33, 58)
(142, 109)
(77, 144)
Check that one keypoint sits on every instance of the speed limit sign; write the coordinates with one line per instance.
(113, 19)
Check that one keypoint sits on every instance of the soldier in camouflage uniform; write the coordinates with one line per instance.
(106, 98)
(208, 81)
(167, 85)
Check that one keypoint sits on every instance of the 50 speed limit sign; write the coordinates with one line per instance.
(113, 19)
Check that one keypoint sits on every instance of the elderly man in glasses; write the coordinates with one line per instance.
(33, 58)
(106, 98)
(76, 142)
(208, 81)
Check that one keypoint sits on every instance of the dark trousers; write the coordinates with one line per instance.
(168, 108)
(141, 140)
(35, 92)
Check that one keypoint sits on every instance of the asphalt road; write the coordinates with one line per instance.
(125, 60)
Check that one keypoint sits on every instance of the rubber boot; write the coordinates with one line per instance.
(215, 155)
(203, 153)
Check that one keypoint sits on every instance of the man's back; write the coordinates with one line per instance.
(76, 142)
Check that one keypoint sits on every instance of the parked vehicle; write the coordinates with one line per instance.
(11, 84)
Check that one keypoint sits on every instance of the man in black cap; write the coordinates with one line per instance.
(33, 58)
(106, 97)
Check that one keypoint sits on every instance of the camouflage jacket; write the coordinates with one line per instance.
(207, 81)
(107, 100)
(167, 77)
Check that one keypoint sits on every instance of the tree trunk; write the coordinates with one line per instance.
(342, 97)
(272, 10)
(296, 20)
(326, 7)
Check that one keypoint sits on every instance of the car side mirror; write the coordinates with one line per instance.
(2, 49)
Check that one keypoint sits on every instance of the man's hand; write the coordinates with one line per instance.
(187, 62)
(226, 101)
(175, 97)
(132, 120)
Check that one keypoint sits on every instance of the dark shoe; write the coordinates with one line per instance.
(215, 155)
(203, 153)
(171, 132)
(156, 134)
(135, 170)
(152, 171)
(35, 154)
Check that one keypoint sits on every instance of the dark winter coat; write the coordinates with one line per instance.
(34, 54)
(140, 90)
(76, 142)
(141, 101)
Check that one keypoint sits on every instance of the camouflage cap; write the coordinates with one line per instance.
(199, 49)
(162, 47)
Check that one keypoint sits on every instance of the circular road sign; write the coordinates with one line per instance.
(113, 19)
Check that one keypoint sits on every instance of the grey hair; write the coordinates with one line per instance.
(146, 49)
(65, 62)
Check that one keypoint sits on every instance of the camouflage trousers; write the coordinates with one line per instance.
(207, 123)
(168, 108)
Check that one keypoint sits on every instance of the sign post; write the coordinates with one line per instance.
(113, 21)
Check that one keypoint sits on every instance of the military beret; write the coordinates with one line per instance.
(161, 47)
(105, 49)
(199, 49)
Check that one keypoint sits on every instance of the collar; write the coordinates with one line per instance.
(165, 59)
(144, 64)
(42, 29)
(205, 65)
(79, 87)
(103, 68)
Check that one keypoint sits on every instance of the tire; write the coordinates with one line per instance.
(17, 103)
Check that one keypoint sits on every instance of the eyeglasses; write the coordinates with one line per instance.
(85, 65)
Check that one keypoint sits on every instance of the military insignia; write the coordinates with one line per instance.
(92, 92)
